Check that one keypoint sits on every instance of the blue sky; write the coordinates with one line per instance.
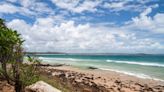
(93, 26)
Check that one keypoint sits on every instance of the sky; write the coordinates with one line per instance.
(87, 26)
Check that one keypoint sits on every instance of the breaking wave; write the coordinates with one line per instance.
(137, 63)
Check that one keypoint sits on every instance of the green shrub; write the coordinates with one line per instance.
(12, 68)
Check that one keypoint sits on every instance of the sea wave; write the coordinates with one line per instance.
(137, 63)
(64, 59)
(143, 76)
(58, 59)
(140, 75)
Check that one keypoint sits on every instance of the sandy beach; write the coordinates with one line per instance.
(95, 80)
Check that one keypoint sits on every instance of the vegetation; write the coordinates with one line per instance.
(12, 67)
(55, 83)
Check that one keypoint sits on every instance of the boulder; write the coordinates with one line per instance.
(5, 87)
(41, 86)
(92, 68)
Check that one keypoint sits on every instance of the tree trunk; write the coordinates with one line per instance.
(18, 85)
(4, 67)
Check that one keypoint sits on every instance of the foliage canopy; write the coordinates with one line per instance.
(12, 68)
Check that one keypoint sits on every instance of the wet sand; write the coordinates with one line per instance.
(95, 80)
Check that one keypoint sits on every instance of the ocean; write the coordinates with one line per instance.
(142, 66)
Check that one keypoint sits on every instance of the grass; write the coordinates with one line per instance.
(55, 83)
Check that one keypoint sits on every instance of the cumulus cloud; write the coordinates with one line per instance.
(145, 22)
(71, 37)
(55, 30)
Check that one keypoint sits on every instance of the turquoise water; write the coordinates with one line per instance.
(143, 66)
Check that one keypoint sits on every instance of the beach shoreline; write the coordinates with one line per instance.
(104, 81)
(147, 67)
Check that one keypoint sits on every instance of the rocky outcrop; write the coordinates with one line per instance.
(41, 86)
(84, 82)
(5, 87)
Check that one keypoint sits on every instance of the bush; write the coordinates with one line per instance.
(12, 68)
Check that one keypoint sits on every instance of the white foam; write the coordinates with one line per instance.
(64, 59)
(61, 59)
(137, 63)
(143, 76)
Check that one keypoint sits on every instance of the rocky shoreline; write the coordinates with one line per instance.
(88, 82)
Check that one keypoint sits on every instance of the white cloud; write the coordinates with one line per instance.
(77, 6)
(114, 5)
(36, 6)
(127, 5)
(27, 3)
(145, 22)
(55, 33)
(87, 6)
(27, 8)
(70, 37)
(8, 8)
(146, 12)
(159, 23)
(13, 1)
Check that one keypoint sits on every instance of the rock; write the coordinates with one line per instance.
(87, 90)
(41, 86)
(98, 77)
(118, 82)
(46, 65)
(87, 78)
(90, 67)
(57, 65)
(139, 84)
(5, 87)
(62, 75)
(8, 88)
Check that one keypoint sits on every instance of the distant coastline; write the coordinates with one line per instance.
(64, 53)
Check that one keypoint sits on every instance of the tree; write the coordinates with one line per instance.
(13, 70)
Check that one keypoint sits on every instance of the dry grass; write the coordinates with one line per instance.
(55, 83)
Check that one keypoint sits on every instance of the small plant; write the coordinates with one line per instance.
(12, 68)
